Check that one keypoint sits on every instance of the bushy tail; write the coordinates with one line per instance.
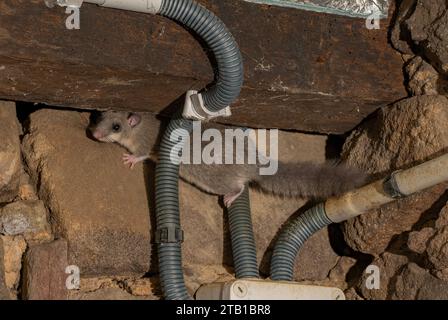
(310, 180)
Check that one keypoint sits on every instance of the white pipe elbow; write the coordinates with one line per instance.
(144, 6)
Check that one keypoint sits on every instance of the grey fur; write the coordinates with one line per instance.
(303, 179)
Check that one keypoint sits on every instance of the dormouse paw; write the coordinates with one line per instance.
(231, 197)
(130, 160)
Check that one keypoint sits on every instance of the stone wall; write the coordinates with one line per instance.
(77, 204)
(66, 200)
(407, 239)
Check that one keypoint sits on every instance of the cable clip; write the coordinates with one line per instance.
(195, 109)
(169, 235)
(391, 188)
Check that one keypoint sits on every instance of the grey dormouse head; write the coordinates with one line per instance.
(114, 126)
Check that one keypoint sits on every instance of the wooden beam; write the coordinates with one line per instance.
(305, 71)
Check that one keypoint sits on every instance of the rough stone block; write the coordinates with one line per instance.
(13, 250)
(44, 272)
(400, 136)
(10, 159)
(28, 218)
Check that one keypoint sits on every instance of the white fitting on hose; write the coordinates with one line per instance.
(145, 6)
(372, 196)
(195, 109)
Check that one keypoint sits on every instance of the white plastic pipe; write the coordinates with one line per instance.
(145, 6)
(372, 196)
(423, 176)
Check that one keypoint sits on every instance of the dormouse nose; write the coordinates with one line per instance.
(98, 134)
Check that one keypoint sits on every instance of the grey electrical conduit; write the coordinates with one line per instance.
(169, 234)
(398, 185)
(222, 94)
(242, 237)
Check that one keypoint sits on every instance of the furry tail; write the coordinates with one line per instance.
(310, 180)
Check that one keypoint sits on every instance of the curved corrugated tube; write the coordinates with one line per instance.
(242, 237)
(219, 39)
(292, 238)
(227, 88)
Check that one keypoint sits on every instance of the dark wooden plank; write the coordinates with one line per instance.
(304, 70)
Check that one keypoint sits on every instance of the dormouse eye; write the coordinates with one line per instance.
(116, 128)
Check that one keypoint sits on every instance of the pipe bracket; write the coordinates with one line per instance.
(391, 188)
(195, 109)
(169, 235)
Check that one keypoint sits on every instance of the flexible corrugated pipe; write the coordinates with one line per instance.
(227, 88)
(242, 237)
(398, 185)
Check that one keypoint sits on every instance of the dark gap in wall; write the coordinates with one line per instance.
(334, 146)
(24, 109)
(429, 217)
(442, 84)
(341, 248)
(314, 133)
(399, 243)
(404, 33)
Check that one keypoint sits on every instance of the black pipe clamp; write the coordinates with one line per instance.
(391, 188)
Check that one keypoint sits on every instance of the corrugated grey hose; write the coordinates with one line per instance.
(292, 238)
(218, 38)
(242, 236)
(169, 235)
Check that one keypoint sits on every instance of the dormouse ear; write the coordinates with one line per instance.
(134, 119)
